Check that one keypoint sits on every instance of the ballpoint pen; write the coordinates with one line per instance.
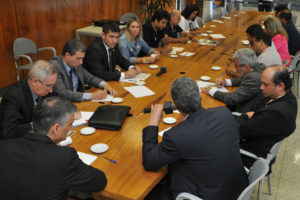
(113, 161)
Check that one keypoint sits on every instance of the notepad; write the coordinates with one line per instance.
(187, 54)
(138, 77)
(221, 89)
(86, 158)
(139, 91)
(202, 84)
(85, 116)
(217, 36)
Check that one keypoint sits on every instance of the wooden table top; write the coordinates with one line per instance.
(127, 179)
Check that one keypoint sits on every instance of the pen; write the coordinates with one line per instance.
(113, 161)
(221, 75)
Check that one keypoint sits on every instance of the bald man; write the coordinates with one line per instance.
(273, 121)
(172, 29)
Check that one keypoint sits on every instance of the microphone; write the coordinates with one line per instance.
(168, 107)
(161, 71)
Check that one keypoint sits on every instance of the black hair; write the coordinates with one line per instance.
(72, 46)
(280, 8)
(111, 26)
(160, 14)
(282, 76)
(189, 10)
(254, 29)
(264, 37)
(286, 14)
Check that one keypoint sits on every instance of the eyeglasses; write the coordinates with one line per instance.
(48, 86)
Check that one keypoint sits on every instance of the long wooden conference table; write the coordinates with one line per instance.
(128, 179)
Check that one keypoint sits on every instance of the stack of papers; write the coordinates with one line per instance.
(217, 36)
(85, 116)
(187, 54)
(108, 98)
(139, 91)
(138, 77)
(86, 158)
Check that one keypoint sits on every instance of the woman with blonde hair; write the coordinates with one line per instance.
(131, 44)
(274, 28)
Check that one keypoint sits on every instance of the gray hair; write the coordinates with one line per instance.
(246, 56)
(175, 12)
(41, 69)
(72, 46)
(50, 111)
(186, 95)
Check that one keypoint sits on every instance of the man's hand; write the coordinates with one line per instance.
(110, 90)
(205, 90)
(250, 114)
(77, 115)
(149, 59)
(220, 82)
(156, 114)
(137, 69)
(165, 49)
(130, 73)
(99, 94)
(183, 39)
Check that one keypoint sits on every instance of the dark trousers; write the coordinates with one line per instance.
(265, 6)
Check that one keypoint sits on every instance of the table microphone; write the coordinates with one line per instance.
(168, 107)
(161, 71)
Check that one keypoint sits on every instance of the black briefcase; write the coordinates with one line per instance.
(109, 117)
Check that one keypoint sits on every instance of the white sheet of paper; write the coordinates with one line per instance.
(217, 36)
(86, 158)
(86, 115)
(246, 42)
(79, 122)
(202, 84)
(187, 54)
(108, 98)
(222, 89)
(138, 77)
(161, 133)
(177, 48)
(226, 17)
(139, 91)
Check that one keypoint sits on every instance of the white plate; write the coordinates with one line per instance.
(173, 56)
(140, 83)
(213, 26)
(117, 100)
(216, 68)
(153, 66)
(169, 120)
(87, 130)
(205, 78)
(204, 34)
(99, 148)
(209, 31)
(245, 42)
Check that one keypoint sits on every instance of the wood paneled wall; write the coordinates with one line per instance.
(50, 23)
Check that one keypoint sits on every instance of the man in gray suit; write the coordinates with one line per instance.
(71, 76)
(248, 94)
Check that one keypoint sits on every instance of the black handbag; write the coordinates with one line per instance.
(109, 117)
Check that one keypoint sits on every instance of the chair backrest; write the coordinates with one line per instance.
(257, 172)
(294, 62)
(199, 21)
(223, 11)
(207, 17)
(216, 14)
(24, 46)
(127, 16)
(274, 151)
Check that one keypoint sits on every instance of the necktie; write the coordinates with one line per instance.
(71, 79)
(110, 60)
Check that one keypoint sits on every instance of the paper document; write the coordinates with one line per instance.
(161, 133)
(187, 54)
(177, 48)
(138, 77)
(222, 89)
(108, 98)
(86, 158)
(202, 84)
(218, 21)
(226, 17)
(85, 116)
(139, 91)
(217, 36)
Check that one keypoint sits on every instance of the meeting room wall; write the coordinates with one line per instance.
(50, 23)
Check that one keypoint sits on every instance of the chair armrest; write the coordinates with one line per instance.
(247, 153)
(23, 56)
(48, 48)
(185, 195)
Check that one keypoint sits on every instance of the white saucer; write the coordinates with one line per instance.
(216, 68)
(87, 130)
(140, 83)
(245, 42)
(117, 100)
(205, 78)
(99, 148)
(169, 120)
(153, 66)
(204, 34)
(213, 26)
(209, 31)
(173, 56)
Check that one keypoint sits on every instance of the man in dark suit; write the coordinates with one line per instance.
(34, 167)
(103, 55)
(202, 152)
(17, 104)
(71, 76)
(270, 123)
(248, 94)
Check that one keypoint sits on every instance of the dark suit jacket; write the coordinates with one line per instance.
(96, 61)
(35, 168)
(294, 37)
(269, 125)
(202, 154)
(62, 86)
(16, 110)
(247, 95)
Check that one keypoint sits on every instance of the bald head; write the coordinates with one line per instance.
(175, 17)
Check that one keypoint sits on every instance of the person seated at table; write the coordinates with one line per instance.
(34, 167)
(202, 152)
(18, 103)
(279, 8)
(248, 93)
(267, 55)
(72, 76)
(131, 43)
(253, 30)
(172, 30)
(103, 55)
(153, 31)
(274, 120)
(188, 21)
(279, 36)
(285, 18)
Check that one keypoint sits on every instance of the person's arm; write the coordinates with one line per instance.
(168, 39)
(84, 177)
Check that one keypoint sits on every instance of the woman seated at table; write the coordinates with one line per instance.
(274, 28)
(188, 21)
(131, 44)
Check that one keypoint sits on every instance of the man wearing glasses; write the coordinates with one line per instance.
(18, 103)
